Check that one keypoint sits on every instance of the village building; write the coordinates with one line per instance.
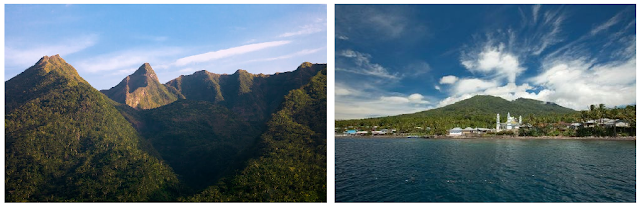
(455, 132)
(350, 132)
(510, 124)
(468, 131)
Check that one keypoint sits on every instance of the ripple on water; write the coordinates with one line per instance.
(419, 170)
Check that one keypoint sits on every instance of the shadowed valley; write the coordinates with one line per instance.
(146, 141)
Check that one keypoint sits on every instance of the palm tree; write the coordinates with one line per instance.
(613, 114)
(602, 112)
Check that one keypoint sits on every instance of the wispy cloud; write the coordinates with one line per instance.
(27, 55)
(288, 56)
(126, 60)
(151, 38)
(304, 30)
(535, 9)
(388, 22)
(209, 56)
(604, 26)
(364, 65)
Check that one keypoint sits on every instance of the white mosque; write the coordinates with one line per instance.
(510, 124)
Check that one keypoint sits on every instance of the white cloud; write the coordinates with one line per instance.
(364, 65)
(394, 99)
(151, 38)
(604, 26)
(304, 30)
(472, 85)
(547, 33)
(357, 108)
(494, 61)
(413, 98)
(344, 90)
(450, 79)
(299, 53)
(535, 10)
(510, 91)
(204, 57)
(348, 53)
(28, 55)
(577, 83)
(342, 37)
(187, 70)
(570, 83)
(366, 101)
(123, 72)
(126, 59)
(393, 25)
(437, 87)
(417, 98)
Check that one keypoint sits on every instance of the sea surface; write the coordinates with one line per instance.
(484, 170)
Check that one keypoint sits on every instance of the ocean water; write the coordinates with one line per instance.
(484, 170)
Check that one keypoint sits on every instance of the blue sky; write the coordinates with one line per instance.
(105, 43)
(396, 59)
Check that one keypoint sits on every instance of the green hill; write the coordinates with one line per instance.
(491, 105)
(477, 111)
(65, 141)
(292, 164)
(142, 90)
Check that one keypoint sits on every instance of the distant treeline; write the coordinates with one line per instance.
(549, 124)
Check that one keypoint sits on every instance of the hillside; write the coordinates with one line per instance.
(200, 140)
(487, 105)
(216, 128)
(292, 164)
(142, 90)
(253, 97)
(478, 111)
(65, 141)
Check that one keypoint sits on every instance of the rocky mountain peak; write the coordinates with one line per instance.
(241, 71)
(145, 70)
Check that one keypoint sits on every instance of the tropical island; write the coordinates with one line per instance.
(480, 117)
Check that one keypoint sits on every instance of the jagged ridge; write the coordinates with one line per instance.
(142, 90)
(252, 96)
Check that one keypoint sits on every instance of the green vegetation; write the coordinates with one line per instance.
(293, 164)
(253, 97)
(67, 142)
(478, 111)
(200, 140)
(546, 119)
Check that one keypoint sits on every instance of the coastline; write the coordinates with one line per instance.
(622, 138)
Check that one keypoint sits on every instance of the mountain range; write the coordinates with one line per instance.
(146, 141)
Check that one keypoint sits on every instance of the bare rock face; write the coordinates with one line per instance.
(141, 90)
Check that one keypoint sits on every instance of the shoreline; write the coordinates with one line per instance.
(624, 138)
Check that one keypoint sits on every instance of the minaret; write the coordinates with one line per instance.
(498, 122)
(520, 120)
